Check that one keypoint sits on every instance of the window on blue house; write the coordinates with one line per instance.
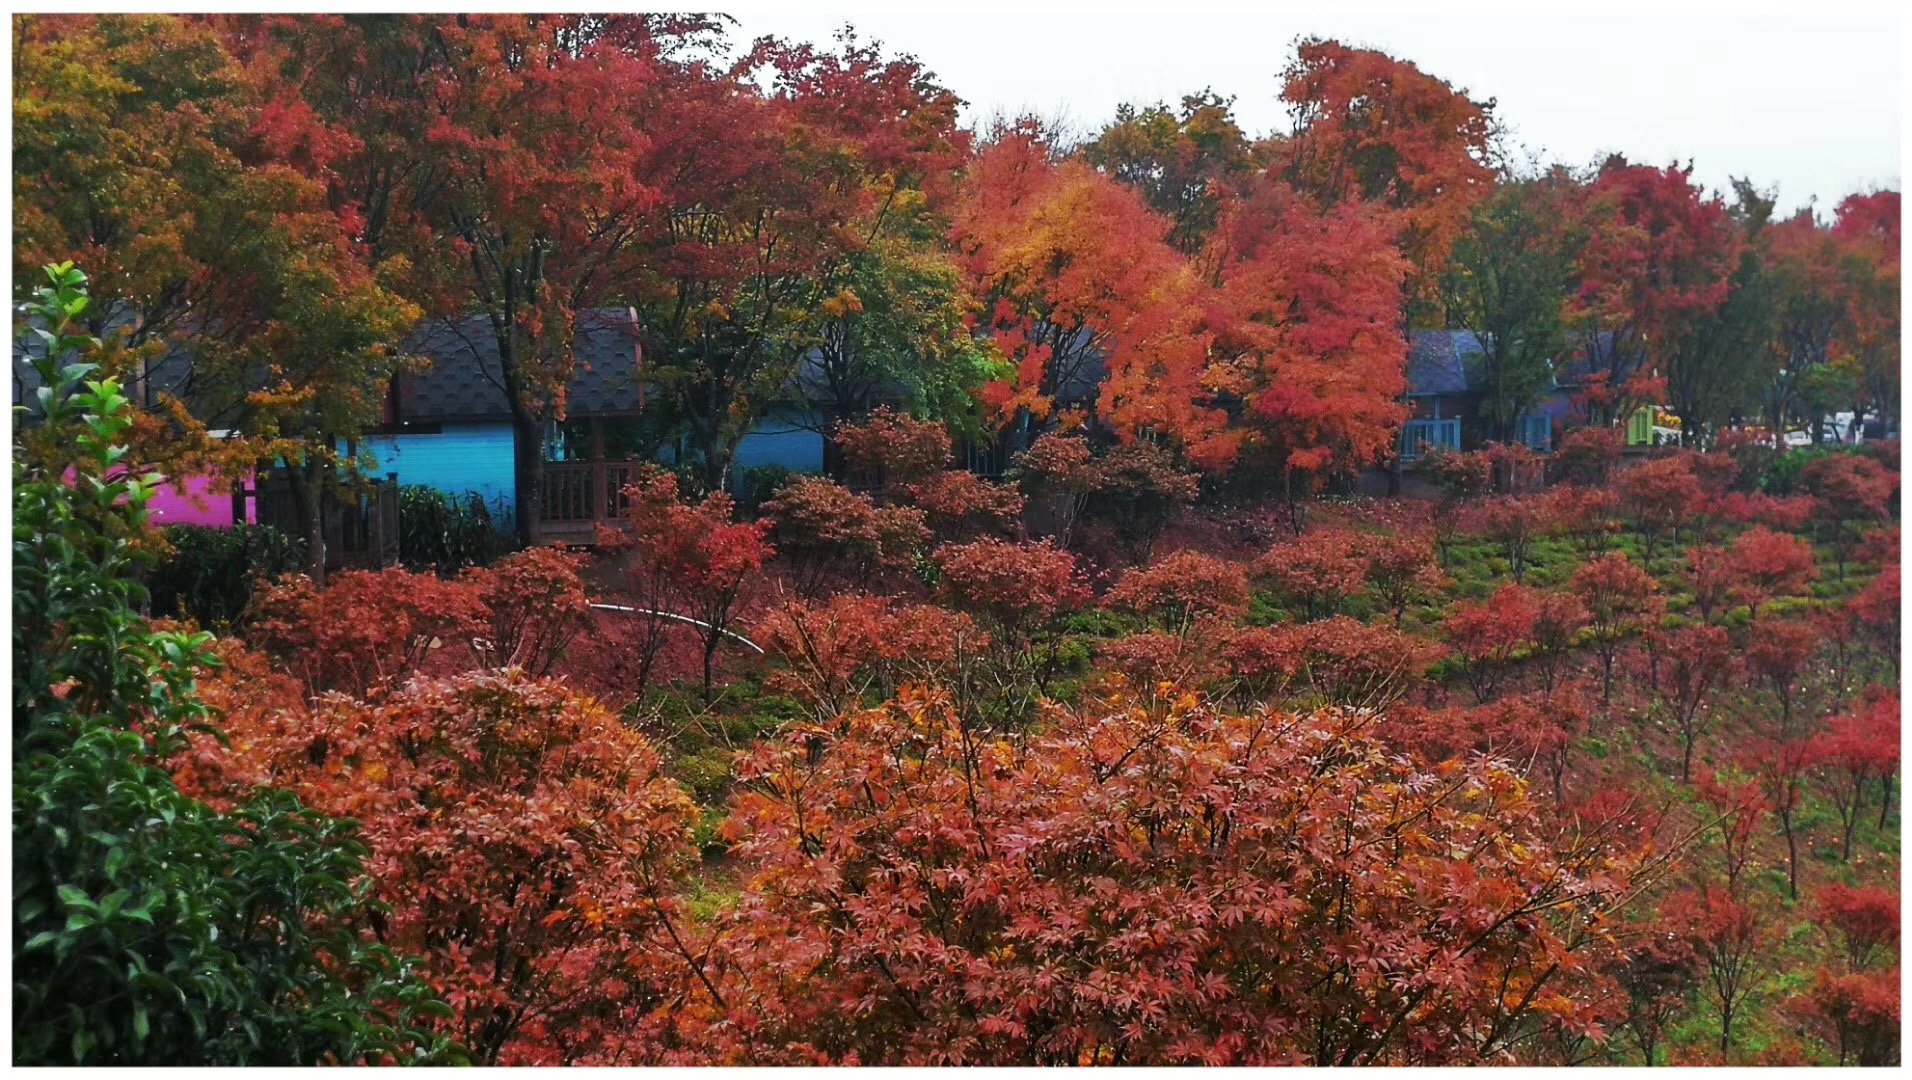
(1537, 432)
(1416, 434)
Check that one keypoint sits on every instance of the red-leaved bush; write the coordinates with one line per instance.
(1865, 920)
(1513, 522)
(1486, 634)
(1695, 665)
(1339, 660)
(1314, 573)
(1617, 595)
(825, 532)
(1180, 588)
(525, 842)
(890, 448)
(1401, 569)
(684, 564)
(538, 607)
(1016, 587)
(1853, 494)
(366, 631)
(962, 506)
(1121, 887)
(1857, 1014)
(1767, 564)
(831, 654)
(1662, 496)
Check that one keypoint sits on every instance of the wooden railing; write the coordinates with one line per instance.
(617, 475)
(579, 494)
(570, 490)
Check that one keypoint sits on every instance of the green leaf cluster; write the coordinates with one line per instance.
(149, 927)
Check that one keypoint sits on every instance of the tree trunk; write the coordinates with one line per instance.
(528, 473)
(307, 482)
(1792, 855)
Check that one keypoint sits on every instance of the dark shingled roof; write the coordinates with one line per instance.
(1440, 361)
(459, 381)
(463, 380)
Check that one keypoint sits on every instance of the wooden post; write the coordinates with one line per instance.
(600, 492)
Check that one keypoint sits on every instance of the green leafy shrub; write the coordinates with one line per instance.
(446, 532)
(1783, 474)
(761, 484)
(210, 573)
(150, 928)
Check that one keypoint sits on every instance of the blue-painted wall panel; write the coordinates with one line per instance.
(462, 457)
(477, 456)
(777, 440)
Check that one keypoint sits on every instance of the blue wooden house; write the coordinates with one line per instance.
(1444, 397)
(448, 425)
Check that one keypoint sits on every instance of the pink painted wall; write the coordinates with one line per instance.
(193, 502)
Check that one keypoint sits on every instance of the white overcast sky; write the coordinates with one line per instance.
(1803, 97)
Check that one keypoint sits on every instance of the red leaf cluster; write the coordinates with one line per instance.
(1182, 588)
(524, 839)
(1122, 886)
(1015, 586)
(366, 630)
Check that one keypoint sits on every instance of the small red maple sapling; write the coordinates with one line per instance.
(1710, 576)
(1781, 766)
(1485, 635)
(693, 562)
(1780, 655)
(1589, 515)
(1586, 456)
(1661, 496)
(1876, 610)
(1181, 588)
(1767, 564)
(1864, 919)
(1856, 747)
(538, 607)
(1696, 662)
(1315, 573)
(1739, 803)
(1860, 1010)
(1853, 495)
(1729, 938)
(1558, 619)
(1401, 570)
(1617, 595)
(1659, 974)
(1514, 522)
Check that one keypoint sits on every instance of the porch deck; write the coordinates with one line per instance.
(577, 496)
